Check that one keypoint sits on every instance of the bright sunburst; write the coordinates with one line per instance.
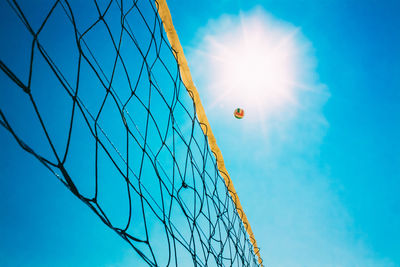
(253, 62)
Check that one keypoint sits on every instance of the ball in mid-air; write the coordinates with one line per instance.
(239, 113)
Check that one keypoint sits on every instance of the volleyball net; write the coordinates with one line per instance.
(100, 93)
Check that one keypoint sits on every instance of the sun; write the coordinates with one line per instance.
(251, 63)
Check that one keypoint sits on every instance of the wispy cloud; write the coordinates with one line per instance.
(267, 66)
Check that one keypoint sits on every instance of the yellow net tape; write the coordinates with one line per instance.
(165, 16)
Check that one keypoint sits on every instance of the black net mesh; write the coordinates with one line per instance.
(93, 91)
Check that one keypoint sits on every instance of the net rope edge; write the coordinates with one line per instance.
(187, 80)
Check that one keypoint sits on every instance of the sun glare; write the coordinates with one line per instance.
(251, 63)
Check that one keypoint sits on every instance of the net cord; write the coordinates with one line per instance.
(187, 80)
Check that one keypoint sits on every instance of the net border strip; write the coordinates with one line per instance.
(187, 80)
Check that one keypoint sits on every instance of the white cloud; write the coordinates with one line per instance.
(293, 204)
(255, 62)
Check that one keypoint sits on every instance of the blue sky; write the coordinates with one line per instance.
(352, 157)
(318, 175)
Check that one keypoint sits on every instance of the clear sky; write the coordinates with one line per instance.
(315, 161)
